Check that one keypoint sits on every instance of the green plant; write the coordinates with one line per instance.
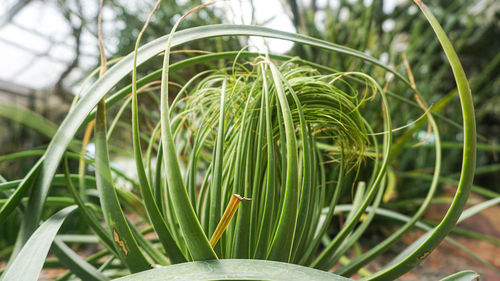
(286, 132)
(400, 33)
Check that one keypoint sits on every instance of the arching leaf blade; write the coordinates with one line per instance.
(29, 262)
(234, 269)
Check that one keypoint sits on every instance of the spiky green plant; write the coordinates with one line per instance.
(288, 133)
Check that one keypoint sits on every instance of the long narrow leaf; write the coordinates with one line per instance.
(124, 242)
(75, 263)
(29, 262)
(468, 164)
(196, 240)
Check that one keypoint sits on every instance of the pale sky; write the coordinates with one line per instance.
(36, 45)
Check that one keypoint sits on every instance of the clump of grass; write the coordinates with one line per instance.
(254, 132)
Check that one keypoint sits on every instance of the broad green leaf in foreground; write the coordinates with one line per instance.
(234, 270)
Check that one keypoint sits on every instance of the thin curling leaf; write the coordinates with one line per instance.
(323, 261)
(281, 245)
(403, 218)
(23, 187)
(428, 244)
(465, 215)
(305, 187)
(234, 269)
(320, 232)
(478, 208)
(240, 185)
(360, 261)
(29, 261)
(264, 234)
(152, 206)
(322, 105)
(196, 240)
(218, 157)
(75, 263)
(354, 237)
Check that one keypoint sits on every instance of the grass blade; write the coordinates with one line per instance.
(281, 244)
(23, 187)
(216, 186)
(466, 275)
(196, 240)
(159, 224)
(124, 242)
(75, 263)
(29, 262)
(468, 164)
(265, 232)
(360, 261)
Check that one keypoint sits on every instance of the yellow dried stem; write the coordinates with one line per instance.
(231, 209)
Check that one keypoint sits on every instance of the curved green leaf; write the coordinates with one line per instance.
(282, 241)
(363, 259)
(324, 260)
(403, 218)
(75, 263)
(124, 241)
(152, 208)
(234, 270)
(468, 165)
(29, 262)
(196, 240)
(466, 275)
(29, 119)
